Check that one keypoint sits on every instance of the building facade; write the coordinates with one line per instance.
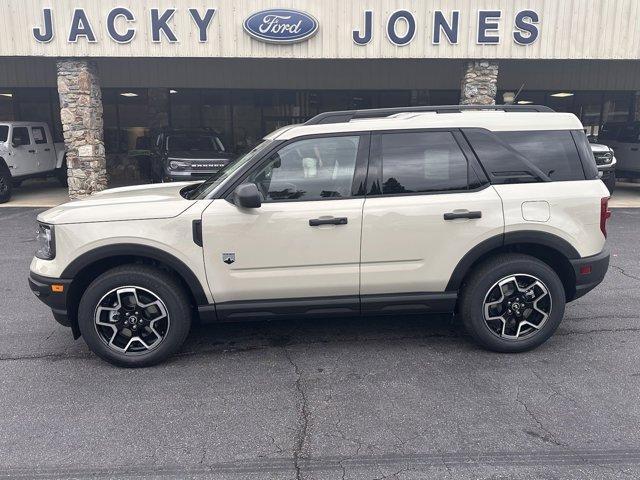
(106, 73)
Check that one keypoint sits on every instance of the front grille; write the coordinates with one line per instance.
(603, 158)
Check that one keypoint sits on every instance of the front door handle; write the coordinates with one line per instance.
(462, 214)
(315, 222)
(32, 151)
(47, 149)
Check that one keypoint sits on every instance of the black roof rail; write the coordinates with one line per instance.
(348, 115)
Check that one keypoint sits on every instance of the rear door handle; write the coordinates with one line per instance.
(462, 214)
(634, 149)
(32, 151)
(315, 222)
(47, 149)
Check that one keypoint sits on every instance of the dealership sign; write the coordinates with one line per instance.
(281, 26)
(285, 26)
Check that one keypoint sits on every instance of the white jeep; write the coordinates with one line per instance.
(27, 151)
(494, 213)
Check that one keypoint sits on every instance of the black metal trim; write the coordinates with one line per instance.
(41, 288)
(348, 115)
(599, 265)
(136, 250)
(463, 266)
(349, 305)
(542, 238)
(267, 309)
(420, 302)
(196, 230)
(510, 238)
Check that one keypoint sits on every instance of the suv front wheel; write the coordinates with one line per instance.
(512, 303)
(134, 316)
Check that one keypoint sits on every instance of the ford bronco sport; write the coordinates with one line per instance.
(494, 213)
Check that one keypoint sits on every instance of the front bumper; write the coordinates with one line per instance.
(43, 288)
(590, 271)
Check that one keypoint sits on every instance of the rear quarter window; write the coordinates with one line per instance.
(553, 152)
(4, 133)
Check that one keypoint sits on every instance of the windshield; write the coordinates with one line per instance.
(4, 133)
(211, 183)
(194, 143)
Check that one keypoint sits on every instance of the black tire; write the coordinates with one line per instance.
(610, 182)
(62, 175)
(163, 286)
(481, 284)
(6, 184)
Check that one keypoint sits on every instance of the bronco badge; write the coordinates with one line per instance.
(228, 258)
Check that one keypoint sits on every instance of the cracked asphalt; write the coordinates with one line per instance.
(395, 398)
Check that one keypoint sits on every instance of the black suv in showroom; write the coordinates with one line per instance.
(182, 155)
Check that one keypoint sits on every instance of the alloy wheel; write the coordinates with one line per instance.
(517, 306)
(131, 320)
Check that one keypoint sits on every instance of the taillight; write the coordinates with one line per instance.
(605, 214)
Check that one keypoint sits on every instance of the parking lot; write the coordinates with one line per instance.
(396, 398)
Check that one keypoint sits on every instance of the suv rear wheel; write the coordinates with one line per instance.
(134, 316)
(512, 303)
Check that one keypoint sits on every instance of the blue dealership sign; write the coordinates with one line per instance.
(281, 26)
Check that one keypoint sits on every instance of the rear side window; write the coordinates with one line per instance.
(39, 136)
(417, 162)
(4, 133)
(553, 152)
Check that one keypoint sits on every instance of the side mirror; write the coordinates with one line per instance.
(247, 195)
(15, 143)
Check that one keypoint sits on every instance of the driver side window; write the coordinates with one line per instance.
(310, 169)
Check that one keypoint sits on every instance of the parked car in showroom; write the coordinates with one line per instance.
(606, 163)
(27, 151)
(624, 140)
(494, 213)
(180, 155)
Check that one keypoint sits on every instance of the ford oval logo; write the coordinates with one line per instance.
(281, 26)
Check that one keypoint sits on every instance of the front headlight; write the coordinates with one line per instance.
(178, 165)
(45, 242)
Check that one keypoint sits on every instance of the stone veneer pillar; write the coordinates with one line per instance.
(82, 125)
(479, 83)
(158, 107)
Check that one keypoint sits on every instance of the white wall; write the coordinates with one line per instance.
(569, 29)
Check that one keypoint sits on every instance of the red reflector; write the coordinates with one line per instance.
(605, 214)
(585, 270)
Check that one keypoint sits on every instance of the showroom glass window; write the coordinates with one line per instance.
(312, 169)
(6, 106)
(126, 120)
(418, 162)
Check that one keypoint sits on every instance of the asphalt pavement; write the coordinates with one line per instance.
(394, 398)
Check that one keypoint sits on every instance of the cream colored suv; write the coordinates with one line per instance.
(495, 213)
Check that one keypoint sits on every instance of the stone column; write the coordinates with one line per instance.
(82, 125)
(479, 83)
(158, 108)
